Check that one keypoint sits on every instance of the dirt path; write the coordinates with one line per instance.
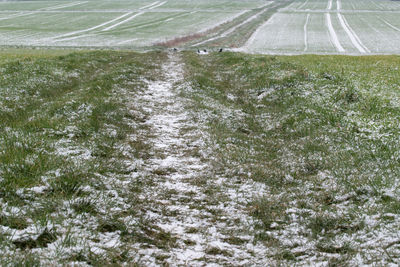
(197, 217)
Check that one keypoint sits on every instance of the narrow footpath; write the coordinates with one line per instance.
(199, 218)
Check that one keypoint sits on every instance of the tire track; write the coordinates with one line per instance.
(355, 40)
(390, 25)
(329, 7)
(148, 6)
(110, 27)
(303, 5)
(234, 28)
(23, 14)
(352, 35)
(254, 35)
(65, 6)
(134, 27)
(89, 29)
(333, 36)
(163, 20)
(160, 4)
(375, 4)
(305, 33)
(338, 5)
(122, 22)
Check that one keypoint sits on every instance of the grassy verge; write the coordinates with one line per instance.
(69, 142)
(11, 54)
(322, 133)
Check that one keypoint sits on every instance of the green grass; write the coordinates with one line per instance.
(13, 54)
(38, 111)
(321, 132)
(64, 119)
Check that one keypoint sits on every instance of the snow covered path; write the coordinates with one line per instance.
(200, 215)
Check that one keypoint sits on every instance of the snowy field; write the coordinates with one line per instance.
(353, 27)
(331, 26)
(136, 23)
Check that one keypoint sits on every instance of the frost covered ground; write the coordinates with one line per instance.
(218, 159)
(190, 159)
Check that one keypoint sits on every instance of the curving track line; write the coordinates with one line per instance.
(338, 5)
(303, 5)
(70, 36)
(158, 5)
(306, 33)
(90, 29)
(64, 6)
(329, 7)
(122, 22)
(390, 25)
(332, 34)
(234, 28)
(22, 14)
(148, 6)
(352, 35)
(134, 16)
(355, 40)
